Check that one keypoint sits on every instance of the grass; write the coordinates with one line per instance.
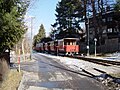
(12, 81)
(116, 75)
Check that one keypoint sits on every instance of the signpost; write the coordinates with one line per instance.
(95, 45)
(31, 37)
(87, 50)
(19, 61)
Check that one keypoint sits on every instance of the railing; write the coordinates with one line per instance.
(14, 58)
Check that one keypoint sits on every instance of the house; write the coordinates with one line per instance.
(107, 33)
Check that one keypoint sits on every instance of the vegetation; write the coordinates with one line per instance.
(117, 5)
(41, 34)
(11, 22)
(12, 80)
(117, 75)
(12, 28)
(69, 15)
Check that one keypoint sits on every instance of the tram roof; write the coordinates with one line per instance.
(68, 39)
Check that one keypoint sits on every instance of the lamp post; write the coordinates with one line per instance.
(57, 48)
(31, 37)
(95, 45)
(88, 50)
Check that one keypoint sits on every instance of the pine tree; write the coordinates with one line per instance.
(117, 6)
(41, 34)
(69, 15)
(11, 22)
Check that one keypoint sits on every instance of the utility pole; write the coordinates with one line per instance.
(88, 44)
(86, 25)
(31, 36)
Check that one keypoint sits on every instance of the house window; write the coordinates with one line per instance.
(109, 30)
(109, 19)
(103, 20)
(104, 31)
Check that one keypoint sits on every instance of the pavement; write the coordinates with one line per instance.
(43, 73)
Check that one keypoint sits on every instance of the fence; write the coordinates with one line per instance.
(23, 58)
(111, 45)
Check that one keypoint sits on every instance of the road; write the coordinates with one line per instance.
(49, 74)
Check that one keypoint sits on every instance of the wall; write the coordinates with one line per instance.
(111, 45)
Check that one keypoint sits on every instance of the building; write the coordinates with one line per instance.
(107, 33)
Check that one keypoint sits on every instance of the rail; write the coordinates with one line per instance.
(105, 62)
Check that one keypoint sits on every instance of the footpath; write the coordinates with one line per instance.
(102, 73)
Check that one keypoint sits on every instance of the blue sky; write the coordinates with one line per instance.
(44, 13)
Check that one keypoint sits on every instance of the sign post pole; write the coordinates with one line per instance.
(19, 61)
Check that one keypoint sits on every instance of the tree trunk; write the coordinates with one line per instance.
(94, 17)
(85, 12)
(23, 51)
(99, 22)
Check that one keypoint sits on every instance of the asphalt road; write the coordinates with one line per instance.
(49, 74)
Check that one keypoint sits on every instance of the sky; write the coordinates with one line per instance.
(43, 12)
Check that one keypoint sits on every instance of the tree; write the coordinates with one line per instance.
(52, 33)
(40, 35)
(12, 26)
(69, 15)
(11, 29)
(117, 5)
(93, 11)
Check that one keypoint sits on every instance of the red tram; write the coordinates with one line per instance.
(42, 47)
(66, 46)
(47, 47)
(37, 47)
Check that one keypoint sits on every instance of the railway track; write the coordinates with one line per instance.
(98, 61)
(104, 62)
